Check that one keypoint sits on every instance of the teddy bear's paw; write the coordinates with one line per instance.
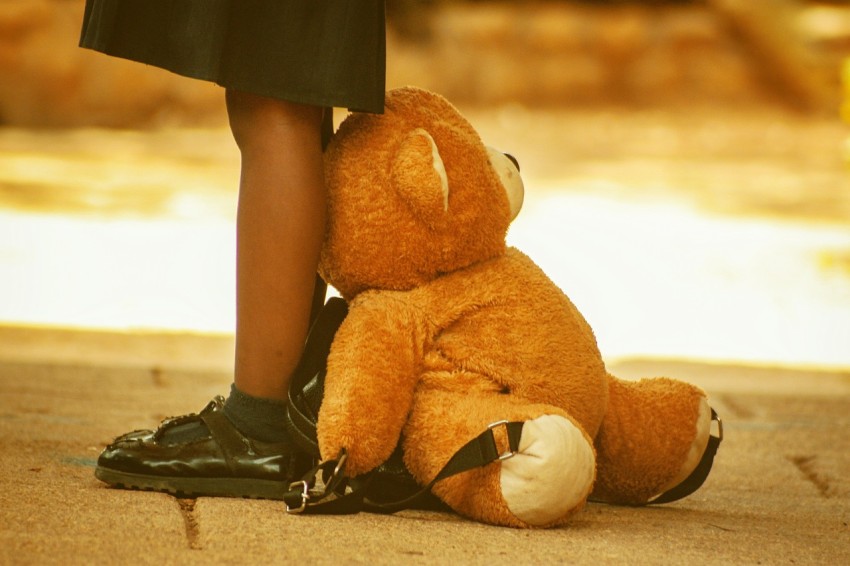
(552, 472)
(697, 449)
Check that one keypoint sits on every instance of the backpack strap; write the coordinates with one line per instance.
(335, 494)
(694, 481)
(307, 387)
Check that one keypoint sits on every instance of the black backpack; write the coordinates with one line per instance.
(391, 487)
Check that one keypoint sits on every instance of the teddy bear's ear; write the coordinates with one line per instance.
(419, 176)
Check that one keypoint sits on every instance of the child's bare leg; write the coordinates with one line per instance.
(280, 225)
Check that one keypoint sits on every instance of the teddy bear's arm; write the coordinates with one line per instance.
(373, 368)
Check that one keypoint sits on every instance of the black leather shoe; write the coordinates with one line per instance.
(221, 463)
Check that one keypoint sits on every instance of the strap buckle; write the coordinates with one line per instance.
(510, 452)
(716, 419)
(340, 466)
(305, 496)
(328, 483)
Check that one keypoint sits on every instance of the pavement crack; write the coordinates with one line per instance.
(728, 530)
(806, 465)
(190, 518)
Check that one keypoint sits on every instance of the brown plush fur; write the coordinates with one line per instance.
(378, 239)
(642, 442)
(449, 331)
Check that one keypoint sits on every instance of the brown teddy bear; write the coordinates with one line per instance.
(449, 331)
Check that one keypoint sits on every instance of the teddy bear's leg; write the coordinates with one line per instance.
(653, 436)
(551, 474)
(547, 480)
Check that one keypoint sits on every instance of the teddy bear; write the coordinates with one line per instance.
(450, 330)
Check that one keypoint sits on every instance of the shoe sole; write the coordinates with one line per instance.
(194, 487)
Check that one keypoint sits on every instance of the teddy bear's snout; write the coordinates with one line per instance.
(507, 167)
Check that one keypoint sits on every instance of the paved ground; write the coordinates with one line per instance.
(779, 493)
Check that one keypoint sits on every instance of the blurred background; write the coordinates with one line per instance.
(684, 161)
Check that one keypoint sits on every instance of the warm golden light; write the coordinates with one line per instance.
(667, 280)
(131, 230)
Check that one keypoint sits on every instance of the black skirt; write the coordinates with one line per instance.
(320, 52)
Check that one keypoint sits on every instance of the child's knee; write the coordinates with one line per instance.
(257, 121)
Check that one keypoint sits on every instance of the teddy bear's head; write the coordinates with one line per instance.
(413, 194)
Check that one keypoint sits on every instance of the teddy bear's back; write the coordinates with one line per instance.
(504, 326)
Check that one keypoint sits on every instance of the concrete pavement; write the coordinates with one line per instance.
(779, 493)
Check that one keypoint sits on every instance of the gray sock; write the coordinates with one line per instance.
(257, 418)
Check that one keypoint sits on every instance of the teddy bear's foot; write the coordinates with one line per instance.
(698, 464)
(552, 473)
(654, 436)
(697, 449)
